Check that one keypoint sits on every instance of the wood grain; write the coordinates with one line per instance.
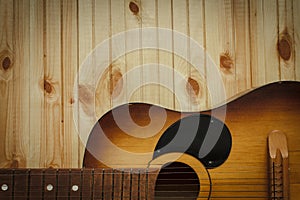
(220, 45)
(296, 23)
(71, 142)
(270, 12)
(242, 45)
(21, 85)
(285, 43)
(53, 134)
(44, 44)
(257, 50)
(7, 84)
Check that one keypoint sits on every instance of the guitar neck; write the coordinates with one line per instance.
(77, 183)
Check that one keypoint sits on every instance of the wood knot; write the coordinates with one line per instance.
(72, 101)
(226, 61)
(6, 63)
(6, 59)
(116, 82)
(284, 46)
(134, 8)
(48, 87)
(192, 87)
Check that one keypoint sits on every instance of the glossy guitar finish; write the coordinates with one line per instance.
(250, 118)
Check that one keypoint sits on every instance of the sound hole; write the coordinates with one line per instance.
(177, 181)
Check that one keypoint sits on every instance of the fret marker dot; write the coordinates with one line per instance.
(75, 188)
(4, 187)
(49, 187)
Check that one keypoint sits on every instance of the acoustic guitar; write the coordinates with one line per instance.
(246, 149)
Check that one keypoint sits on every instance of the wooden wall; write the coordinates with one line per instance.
(43, 45)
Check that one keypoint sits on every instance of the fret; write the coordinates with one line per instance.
(98, 184)
(134, 184)
(63, 184)
(107, 184)
(142, 184)
(36, 188)
(50, 184)
(75, 184)
(87, 183)
(152, 175)
(117, 182)
(126, 185)
(20, 184)
(6, 184)
(28, 183)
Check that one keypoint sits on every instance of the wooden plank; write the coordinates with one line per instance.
(71, 144)
(21, 89)
(270, 40)
(133, 12)
(36, 106)
(102, 26)
(220, 46)
(113, 78)
(242, 45)
(85, 46)
(257, 51)
(197, 58)
(165, 59)
(52, 147)
(6, 83)
(296, 23)
(149, 60)
(285, 43)
(180, 17)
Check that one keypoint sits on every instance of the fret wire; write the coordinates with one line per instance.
(56, 184)
(130, 184)
(102, 192)
(13, 183)
(81, 177)
(147, 181)
(28, 183)
(93, 179)
(43, 184)
(122, 185)
(113, 186)
(69, 182)
(139, 182)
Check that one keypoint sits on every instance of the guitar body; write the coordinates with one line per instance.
(131, 136)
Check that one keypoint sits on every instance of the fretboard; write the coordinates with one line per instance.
(78, 184)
